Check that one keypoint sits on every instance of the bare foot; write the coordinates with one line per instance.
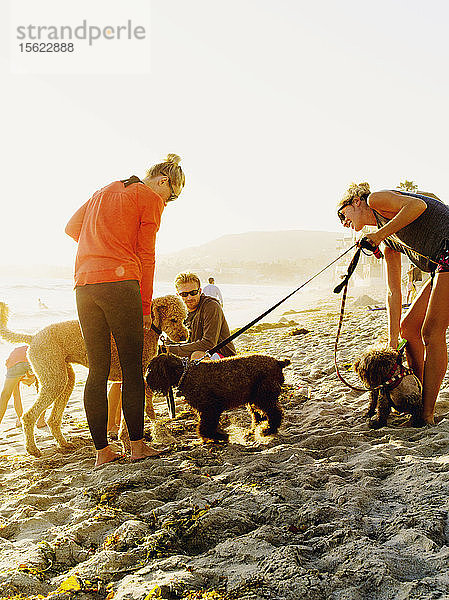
(435, 420)
(106, 455)
(140, 450)
(41, 424)
(429, 419)
(18, 422)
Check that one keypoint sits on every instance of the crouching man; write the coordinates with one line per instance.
(205, 321)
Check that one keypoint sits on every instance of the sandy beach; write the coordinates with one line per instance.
(327, 509)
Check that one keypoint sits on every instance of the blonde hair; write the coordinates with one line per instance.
(187, 277)
(170, 168)
(355, 190)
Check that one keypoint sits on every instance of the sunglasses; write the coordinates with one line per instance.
(340, 213)
(191, 293)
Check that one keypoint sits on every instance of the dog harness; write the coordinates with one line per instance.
(396, 376)
(185, 367)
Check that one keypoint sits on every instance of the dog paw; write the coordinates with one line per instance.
(67, 445)
(267, 431)
(34, 451)
(216, 436)
(375, 424)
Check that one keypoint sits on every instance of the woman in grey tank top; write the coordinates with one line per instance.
(416, 225)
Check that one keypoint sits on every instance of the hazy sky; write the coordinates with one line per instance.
(275, 107)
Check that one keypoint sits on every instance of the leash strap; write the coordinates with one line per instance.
(351, 268)
(392, 382)
(171, 403)
(170, 396)
(162, 349)
(344, 286)
(267, 312)
(340, 323)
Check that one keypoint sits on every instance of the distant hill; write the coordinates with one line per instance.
(262, 246)
(261, 256)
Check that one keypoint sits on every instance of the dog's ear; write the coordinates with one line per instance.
(157, 307)
(173, 369)
(163, 372)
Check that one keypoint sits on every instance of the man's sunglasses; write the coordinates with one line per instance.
(191, 293)
(340, 213)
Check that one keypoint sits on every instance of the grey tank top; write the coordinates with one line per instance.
(427, 234)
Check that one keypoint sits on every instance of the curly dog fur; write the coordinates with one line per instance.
(211, 387)
(374, 367)
(53, 349)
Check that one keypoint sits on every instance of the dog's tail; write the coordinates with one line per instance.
(7, 335)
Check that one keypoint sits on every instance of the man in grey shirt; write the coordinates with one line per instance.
(213, 291)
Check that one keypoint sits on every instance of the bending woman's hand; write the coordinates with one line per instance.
(374, 238)
(147, 321)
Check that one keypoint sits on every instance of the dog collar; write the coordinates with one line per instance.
(394, 379)
(185, 367)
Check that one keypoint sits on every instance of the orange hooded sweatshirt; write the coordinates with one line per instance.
(116, 234)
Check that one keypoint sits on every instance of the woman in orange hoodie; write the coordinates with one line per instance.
(114, 268)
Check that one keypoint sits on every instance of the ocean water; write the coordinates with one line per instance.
(35, 303)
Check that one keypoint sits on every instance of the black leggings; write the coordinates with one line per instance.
(105, 308)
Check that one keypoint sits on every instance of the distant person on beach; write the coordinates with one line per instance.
(413, 275)
(416, 225)
(213, 291)
(18, 370)
(114, 268)
(205, 321)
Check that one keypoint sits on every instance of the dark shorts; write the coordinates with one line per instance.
(443, 259)
(18, 370)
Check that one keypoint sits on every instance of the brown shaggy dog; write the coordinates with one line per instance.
(374, 368)
(210, 387)
(53, 349)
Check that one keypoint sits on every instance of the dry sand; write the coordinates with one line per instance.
(327, 509)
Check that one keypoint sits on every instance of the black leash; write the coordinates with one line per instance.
(209, 353)
(267, 312)
(162, 349)
(171, 403)
(340, 323)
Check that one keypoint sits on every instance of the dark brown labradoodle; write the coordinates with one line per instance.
(211, 387)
